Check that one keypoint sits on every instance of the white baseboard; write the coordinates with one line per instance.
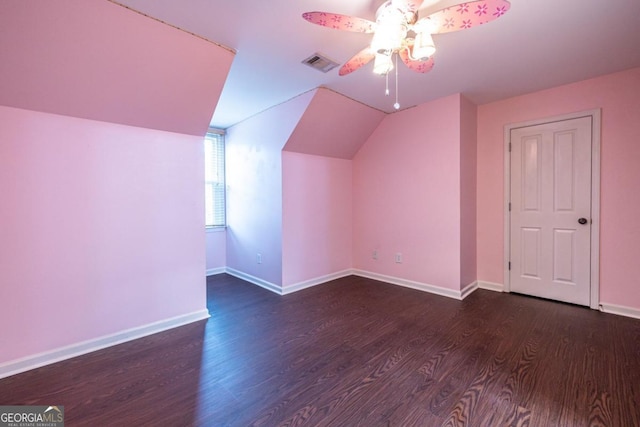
(451, 293)
(437, 290)
(255, 280)
(57, 355)
(214, 271)
(489, 286)
(620, 310)
(316, 281)
(468, 290)
(287, 289)
(445, 292)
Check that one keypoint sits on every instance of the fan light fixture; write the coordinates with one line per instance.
(398, 32)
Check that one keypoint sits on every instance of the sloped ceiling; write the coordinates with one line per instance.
(333, 126)
(538, 44)
(98, 60)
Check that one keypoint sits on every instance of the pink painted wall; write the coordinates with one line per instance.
(618, 95)
(216, 242)
(406, 195)
(102, 215)
(254, 188)
(468, 199)
(98, 60)
(270, 171)
(102, 229)
(316, 216)
(323, 130)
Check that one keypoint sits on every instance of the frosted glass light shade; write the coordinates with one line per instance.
(382, 64)
(423, 47)
(388, 38)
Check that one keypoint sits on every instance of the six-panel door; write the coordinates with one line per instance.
(550, 230)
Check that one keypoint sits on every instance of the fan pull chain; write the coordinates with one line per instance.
(386, 88)
(397, 104)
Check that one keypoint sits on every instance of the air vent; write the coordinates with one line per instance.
(320, 63)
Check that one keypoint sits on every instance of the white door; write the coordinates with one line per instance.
(550, 224)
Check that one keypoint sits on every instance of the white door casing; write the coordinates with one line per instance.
(553, 182)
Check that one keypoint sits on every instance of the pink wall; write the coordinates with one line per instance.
(268, 176)
(216, 242)
(254, 189)
(323, 130)
(101, 61)
(406, 182)
(316, 216)
(468, 200)
(102, 221)
(618, 95)
(102, 229)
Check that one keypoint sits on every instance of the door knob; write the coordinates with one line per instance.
(583, 221)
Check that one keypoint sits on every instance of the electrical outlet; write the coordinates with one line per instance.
(259, 258)
(399, 258)
(374, 255)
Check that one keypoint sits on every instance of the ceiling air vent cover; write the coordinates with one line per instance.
(320, 62)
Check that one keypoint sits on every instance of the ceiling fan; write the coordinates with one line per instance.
(398, 30)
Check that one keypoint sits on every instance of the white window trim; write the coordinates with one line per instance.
(218, 227)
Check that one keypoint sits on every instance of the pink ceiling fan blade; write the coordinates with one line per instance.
(340, 22)
(415, 65)
(358, 60)
(466, 15)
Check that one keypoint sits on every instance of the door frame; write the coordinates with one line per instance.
(595, 115)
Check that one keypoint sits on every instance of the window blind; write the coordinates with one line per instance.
(214, 180)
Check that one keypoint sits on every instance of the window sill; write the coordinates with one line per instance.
(217, 229)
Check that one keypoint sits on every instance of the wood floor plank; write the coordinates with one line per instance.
(357, 352)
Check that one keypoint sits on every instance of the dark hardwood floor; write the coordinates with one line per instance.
(356, 352)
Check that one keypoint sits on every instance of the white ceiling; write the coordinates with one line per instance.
(538, 44)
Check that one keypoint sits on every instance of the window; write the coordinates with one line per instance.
(214, 179)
